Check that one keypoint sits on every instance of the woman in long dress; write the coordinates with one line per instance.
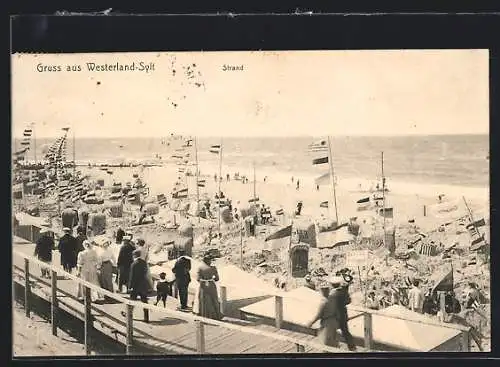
(141, 244)
(87, 269)
(105, 266)
(207, 300)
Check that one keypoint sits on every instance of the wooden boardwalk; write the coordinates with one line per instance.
(164, 333)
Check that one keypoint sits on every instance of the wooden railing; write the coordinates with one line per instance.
(199, 322)
(363, 312)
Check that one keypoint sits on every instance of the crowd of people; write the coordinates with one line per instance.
(95, 262)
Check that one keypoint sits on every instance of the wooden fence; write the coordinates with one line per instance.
(199, 322)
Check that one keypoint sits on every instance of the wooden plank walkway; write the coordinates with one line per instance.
(168, 335)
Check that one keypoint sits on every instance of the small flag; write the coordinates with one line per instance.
(181, 194)
(324, 204)
(387, 212)
(363, 203)
(282, 233)
(319, 146)
(478, 243)
(26, 133)
(65, 129)
(478, 223)
(25, 143)
(216, 149)
(320, 160)
(253, 200)
(201, 184)
(188, 143)
(280, 212)
(445, 284)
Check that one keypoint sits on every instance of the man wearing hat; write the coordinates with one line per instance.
(138, 284)
(332, 314)
(43, 250)
(124, 261)
(68, 247)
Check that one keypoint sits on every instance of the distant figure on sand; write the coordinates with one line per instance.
(298, 184)
(68, 249)
(228, 178)
(124, 262)
(181, 270)
(43, 250)
(206, 303)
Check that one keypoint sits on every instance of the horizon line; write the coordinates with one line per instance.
(265, 136)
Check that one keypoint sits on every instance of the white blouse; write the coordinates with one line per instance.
(107, 255)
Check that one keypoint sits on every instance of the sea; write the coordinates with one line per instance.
(456, 160)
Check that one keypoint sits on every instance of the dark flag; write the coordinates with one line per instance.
(444, 284)
(215, 149)
(320, 160)
(387, 212)
(476, 224)
(253, 200)
(324, 204)
(280, 212)
(65, 129)
(319, 146)
(282, 233)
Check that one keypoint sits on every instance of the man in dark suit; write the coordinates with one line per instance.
(138, 284)
(124, 261)
(68, 247)
(181, 270)
(43, 250)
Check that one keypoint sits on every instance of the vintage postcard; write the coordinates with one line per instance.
(250, 202)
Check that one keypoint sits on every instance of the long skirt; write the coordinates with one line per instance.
(106, 276)
(206, 302)
(91, 277)
(328, 332)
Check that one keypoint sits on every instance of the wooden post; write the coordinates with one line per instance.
(88, 319)
(27, 287)
(465, 342)
(278, 306)
(130, 329)
(200, 337)
(442, 305)
(425, 210)
(54, 303)
(300, 348)
(368, 331)
(223, 299)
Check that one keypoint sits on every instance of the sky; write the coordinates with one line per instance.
(285, 93)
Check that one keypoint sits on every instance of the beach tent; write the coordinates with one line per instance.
(69, 217)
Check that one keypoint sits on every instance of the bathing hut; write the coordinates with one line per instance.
(306, 231)
(299, 259)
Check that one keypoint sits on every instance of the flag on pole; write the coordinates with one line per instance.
(478, 223)
(317, 161)
(280, 212)
(444, 284)
(181, 194)
(201, 183)
(324, 204)
(363, 203)
(65, 129)
(319, 146)
(282, 233)
(253, 200)
(386, 212)
(215, 149)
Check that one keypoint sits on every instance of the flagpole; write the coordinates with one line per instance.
(219, 179)
(289, 262)
(254, 183)
(74, 154)
(332, 178)
(383, 197)
(34, 142)
(197, 179)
